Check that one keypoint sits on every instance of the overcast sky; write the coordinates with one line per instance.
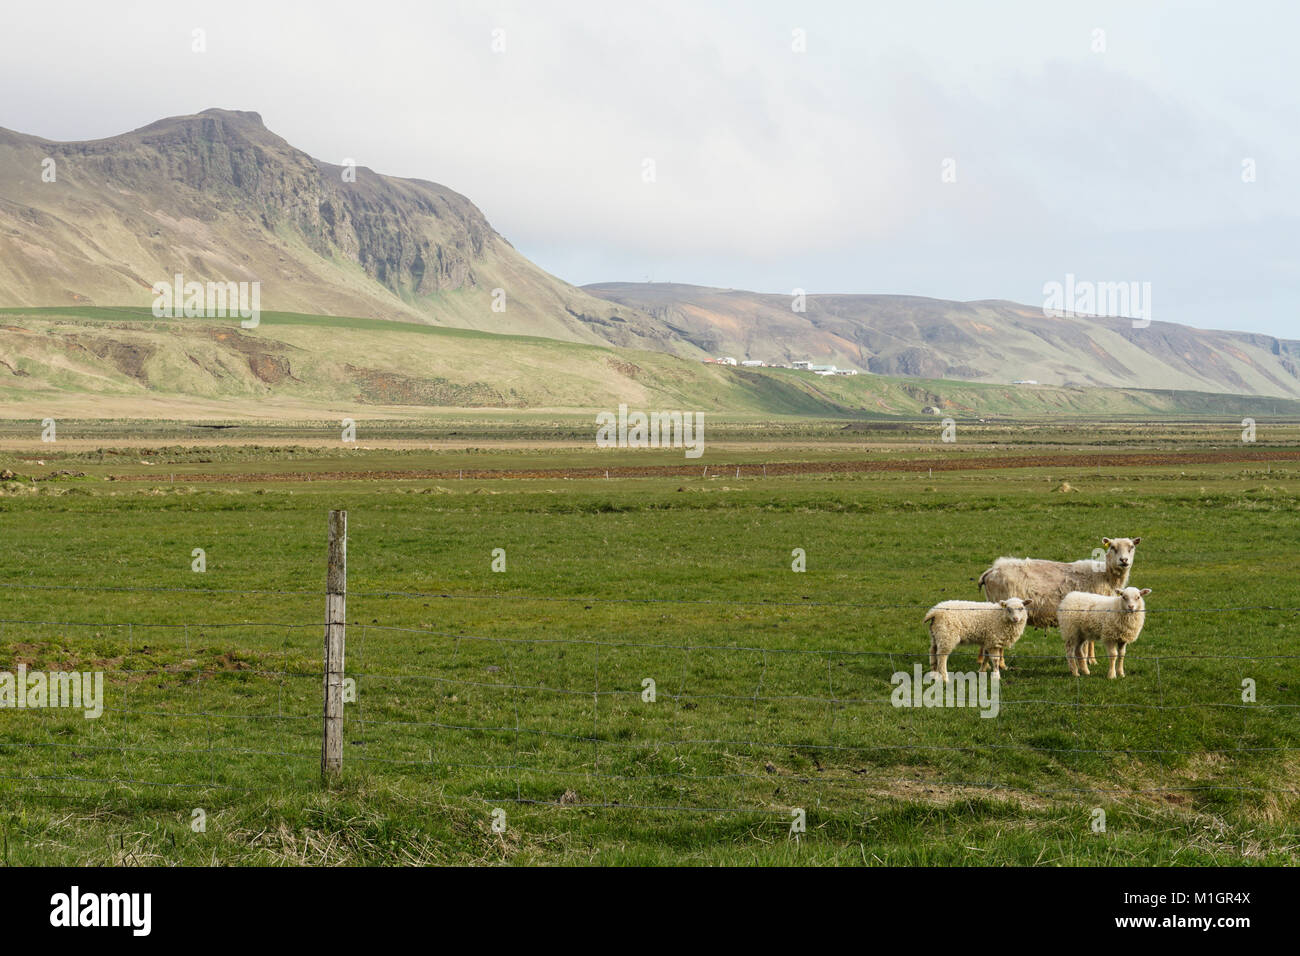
(773, 168)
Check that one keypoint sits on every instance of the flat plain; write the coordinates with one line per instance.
(525, 690)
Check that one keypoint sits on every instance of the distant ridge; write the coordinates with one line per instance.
(984, 341)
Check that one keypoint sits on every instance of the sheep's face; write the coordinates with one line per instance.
(1120, 552)
(1131, 599)
(1015, 609)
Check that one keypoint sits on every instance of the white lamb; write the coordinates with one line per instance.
(1047, 582)
(1116, 620)
(993, 626)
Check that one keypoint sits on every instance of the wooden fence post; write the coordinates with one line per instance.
(336, 604)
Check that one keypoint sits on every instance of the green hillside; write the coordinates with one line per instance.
(123, 362)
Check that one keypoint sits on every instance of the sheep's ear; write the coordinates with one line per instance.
(1002, 604)
(1106, 542)
(1137, 541)
(1144, 592)
(1027, 602)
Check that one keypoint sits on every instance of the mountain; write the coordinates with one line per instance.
(218, 197)
(984, 341)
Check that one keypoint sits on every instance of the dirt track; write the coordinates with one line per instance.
(1111, 460)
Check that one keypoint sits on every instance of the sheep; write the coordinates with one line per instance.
(993, 626)
(1047, 582)
(1113, 619)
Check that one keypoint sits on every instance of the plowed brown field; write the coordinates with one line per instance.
(1111, 460)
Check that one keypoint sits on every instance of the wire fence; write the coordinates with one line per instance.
(608, 721)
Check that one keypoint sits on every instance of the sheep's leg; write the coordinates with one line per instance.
(1123, 649)
(979, 657)
(1092, 652)
(1113, 653)
(995, 656)
(934, 655)
(943, 667)
(1072, 659)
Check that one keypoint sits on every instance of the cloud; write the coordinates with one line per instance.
(771, 165)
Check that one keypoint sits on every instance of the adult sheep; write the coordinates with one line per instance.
(993, 626)
(1047, 582)
(1116, 620)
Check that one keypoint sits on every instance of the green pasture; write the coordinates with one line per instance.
(523, 690)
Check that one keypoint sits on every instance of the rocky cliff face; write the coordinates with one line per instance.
(229, 162)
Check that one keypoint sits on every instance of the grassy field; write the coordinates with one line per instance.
(522, 690)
